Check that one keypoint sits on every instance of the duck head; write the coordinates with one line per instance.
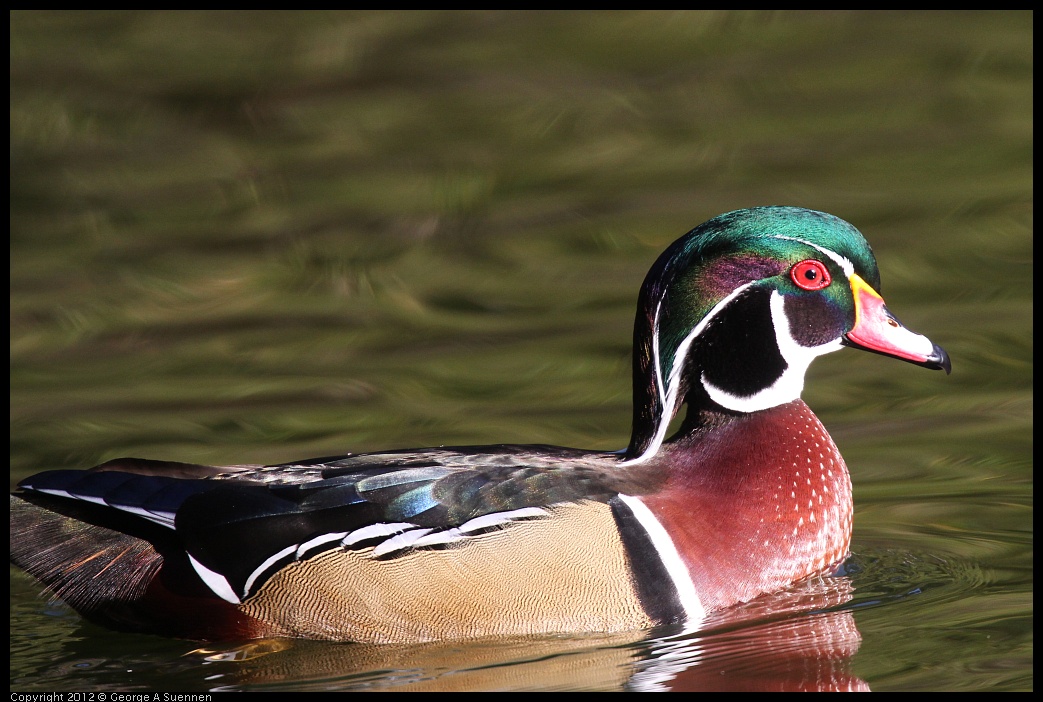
(731, 315)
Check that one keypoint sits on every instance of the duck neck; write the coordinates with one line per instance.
(774, 478)
(657, 403)
(728, 360)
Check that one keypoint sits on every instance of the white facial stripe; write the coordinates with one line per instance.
(668, 398)
(671, 558)
(791, 383)
(655, 353)
(796, 355)
(844, 263)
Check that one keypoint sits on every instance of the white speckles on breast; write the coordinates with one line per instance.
(819, 499)
(783, 511)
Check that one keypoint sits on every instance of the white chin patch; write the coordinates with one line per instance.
(788, 386)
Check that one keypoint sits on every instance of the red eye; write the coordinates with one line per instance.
(810, 275)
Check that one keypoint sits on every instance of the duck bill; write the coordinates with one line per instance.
(877, 330)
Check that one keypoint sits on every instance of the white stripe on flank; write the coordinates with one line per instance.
(274, 558)
(487, 520)
(675, 566)
(418, 538)
(317, 541)
(403, 535)
(372, 531)
(403, 540)
(446, 536)
(215, 581)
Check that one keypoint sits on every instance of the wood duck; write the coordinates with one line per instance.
(746, 497)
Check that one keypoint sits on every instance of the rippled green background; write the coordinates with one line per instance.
(256, 237)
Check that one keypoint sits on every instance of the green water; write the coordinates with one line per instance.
(258, 237)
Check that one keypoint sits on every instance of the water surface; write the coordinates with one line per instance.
(254, 237)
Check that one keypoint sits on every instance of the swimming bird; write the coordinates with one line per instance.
(746, 496)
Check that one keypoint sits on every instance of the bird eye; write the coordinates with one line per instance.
(810, 275)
